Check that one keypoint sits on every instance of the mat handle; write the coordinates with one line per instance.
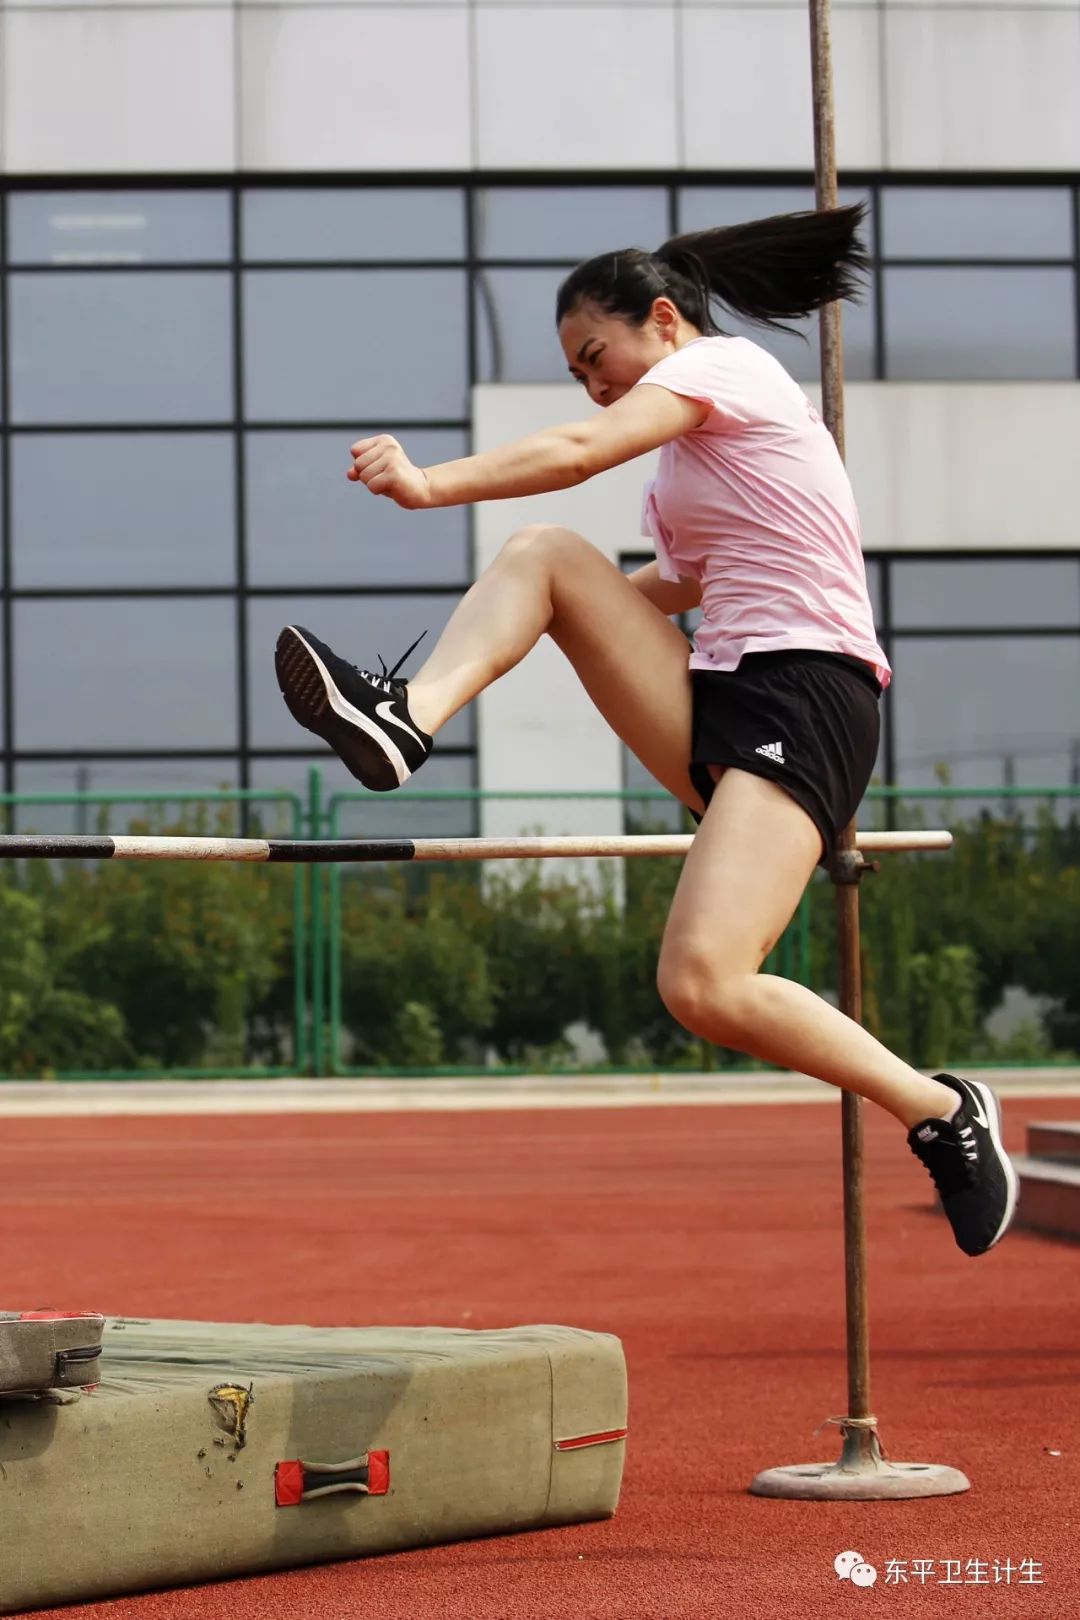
(296, 1481)
(47, 1349)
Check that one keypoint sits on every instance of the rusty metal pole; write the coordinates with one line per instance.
(861, 1471)
(825, 196)
(859, 1438)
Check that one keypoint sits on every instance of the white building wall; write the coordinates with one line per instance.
(434, 85)
(965, 466)
(934, 465)
(986, 87)
(92, 90)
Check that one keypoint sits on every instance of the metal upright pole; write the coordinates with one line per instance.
(859, 1439)
(861, 1471)
(825, 196)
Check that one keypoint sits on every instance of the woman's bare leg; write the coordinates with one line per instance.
(756, 849)
(631, 660)
(750, 862)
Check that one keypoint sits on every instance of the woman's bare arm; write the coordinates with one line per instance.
(670, 596)
(558, 458)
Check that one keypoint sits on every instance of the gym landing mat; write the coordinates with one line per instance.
(213, 1449)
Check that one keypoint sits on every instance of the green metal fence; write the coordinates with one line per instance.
(321, 1040)
(791, 957)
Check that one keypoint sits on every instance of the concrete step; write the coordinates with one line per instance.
(1059, 1141)
(1049, 1196)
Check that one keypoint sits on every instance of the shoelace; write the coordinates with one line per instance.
(386, 681)
(951, 1163)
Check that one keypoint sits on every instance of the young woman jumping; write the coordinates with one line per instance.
(768, 732)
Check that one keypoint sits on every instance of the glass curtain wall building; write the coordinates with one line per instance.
(185, 364)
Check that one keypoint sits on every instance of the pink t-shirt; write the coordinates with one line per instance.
(756, 507)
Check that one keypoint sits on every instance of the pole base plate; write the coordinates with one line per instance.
(877, 1481)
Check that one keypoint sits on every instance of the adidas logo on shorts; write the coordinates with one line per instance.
(773, 751)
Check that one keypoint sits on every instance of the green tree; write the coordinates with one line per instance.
(402, 946)
(189, 952)
(45, 1027)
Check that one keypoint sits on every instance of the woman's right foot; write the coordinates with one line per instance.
(364, 717)
(971, 1170)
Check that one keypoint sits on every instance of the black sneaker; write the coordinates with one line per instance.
(970, 1168)
(365, 718)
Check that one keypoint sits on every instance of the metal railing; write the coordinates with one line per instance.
(320, 1034)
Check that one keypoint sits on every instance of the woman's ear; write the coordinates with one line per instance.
(665, 317)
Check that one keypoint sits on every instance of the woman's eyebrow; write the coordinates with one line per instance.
(584, 346)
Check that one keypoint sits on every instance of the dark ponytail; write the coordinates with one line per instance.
(770, 271)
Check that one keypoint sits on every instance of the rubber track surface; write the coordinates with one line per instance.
(709, 1239)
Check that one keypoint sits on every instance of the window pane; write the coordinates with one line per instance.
(354, 345)
(989, 222)
(125, 674)
(701, 207)
(873, 585)
(89, 510)
(516, 340)
(308, 525)
(130, 778)
(568, 222)
(372, 223)
(977, 592)
(968, 324)
(119, 227)
(983, 708)
(121, 348)
(801, 356)
(358, 628)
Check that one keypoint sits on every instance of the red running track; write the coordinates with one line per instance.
(708, 1239)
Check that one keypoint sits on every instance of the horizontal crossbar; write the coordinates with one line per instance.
(126, 847)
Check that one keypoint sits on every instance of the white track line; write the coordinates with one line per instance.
(84, 1099)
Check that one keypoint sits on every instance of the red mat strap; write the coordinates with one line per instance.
(60, 1316)
(604, 1438)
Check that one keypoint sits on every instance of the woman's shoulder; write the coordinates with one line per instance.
(722, 355)
(745, 384)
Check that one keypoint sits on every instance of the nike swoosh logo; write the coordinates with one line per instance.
(977, 1110)
(392, 719)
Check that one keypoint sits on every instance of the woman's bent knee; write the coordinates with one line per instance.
(543, 539)
(702, 1000)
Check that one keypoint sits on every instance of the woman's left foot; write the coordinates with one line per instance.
(970, 1168)
(365, 718)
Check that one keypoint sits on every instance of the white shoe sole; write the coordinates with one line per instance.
(349, 719)
(992, 1109)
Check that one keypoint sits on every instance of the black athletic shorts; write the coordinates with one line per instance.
(808, 721)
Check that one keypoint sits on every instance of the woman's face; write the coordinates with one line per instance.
(608, 355)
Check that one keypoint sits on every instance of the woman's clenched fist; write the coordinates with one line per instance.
(382, 465)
